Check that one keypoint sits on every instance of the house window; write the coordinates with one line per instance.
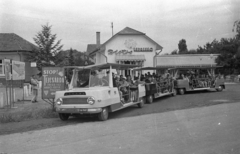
(1, 67)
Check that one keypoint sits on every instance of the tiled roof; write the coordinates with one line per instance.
(13, 42)
(91, 47)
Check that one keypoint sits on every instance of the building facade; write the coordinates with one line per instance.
(16, 48)
(128, 46)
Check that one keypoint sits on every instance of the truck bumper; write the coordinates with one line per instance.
(79, 110)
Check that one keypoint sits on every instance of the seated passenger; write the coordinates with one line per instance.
(147, 79)
(117, 81)
(123, 88)
(129, 80)
(142, 78)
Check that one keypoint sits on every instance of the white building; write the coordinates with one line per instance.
(128, 46)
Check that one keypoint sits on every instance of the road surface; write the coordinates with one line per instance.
(160, 105)
(206, 130)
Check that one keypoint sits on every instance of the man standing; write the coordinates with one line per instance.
(34, 83)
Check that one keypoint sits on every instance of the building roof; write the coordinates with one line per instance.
(125, 31)
(188, 60)
(130, 31)
(13, 42)
(91, 47)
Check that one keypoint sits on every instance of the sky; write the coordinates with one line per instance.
(165, 21)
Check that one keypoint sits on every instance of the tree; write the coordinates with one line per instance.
(174, 52)
(236, 27)
(48, 48)
(71, 58)
(182, 46)
(192, 51)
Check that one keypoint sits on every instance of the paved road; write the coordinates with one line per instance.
(161, 105)
(206, 130)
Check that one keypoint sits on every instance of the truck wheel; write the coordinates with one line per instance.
(63, 116)
(141, 103)
(181, 91)
(103, 115)
(150, 99)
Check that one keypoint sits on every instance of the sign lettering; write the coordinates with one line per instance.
(143, 49)
(119, 52)
(53, 80)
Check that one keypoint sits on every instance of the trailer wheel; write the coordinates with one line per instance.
(220, 88)
(150, 99)
(181, 91)
(63, 116)
(103, 115)
(174, 92)
(141, 102)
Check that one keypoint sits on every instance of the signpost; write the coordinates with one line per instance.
(7, 67)
(53, 80)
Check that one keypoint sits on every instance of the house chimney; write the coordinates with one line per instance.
(98, 39)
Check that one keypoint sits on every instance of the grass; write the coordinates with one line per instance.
(27, 112)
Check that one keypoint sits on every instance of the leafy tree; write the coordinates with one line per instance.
(174, 52)
(71, 58)
(192, 51)
(48, 48)
(182, 46)
(236, 27)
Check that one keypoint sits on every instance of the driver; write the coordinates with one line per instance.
(94, 80)
(105, 79)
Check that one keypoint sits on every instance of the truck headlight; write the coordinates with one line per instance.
(91, 100)
(59, 101)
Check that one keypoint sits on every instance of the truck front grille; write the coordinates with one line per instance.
(74, 93)
(75, 101)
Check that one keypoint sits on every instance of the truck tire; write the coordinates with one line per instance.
(103, 115)
(63, 116)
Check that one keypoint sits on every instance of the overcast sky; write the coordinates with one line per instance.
(76, 21)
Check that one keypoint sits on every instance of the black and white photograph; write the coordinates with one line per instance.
(120, 77)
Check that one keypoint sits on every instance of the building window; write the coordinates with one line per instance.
(1, 67)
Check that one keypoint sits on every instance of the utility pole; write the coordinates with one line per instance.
(112, 28)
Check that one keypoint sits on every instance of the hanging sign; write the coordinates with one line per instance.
(53, 80)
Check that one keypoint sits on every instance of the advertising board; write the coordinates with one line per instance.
(18, 70)
(53, 80)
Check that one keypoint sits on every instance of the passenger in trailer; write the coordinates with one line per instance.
(132, 88)
(124, 89)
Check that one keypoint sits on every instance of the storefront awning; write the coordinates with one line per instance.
(130, 58)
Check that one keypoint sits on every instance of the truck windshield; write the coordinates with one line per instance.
(90, 78)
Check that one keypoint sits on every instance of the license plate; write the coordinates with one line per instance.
(82, 110)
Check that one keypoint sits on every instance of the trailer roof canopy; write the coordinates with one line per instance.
(106, 66)
(186, 61)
